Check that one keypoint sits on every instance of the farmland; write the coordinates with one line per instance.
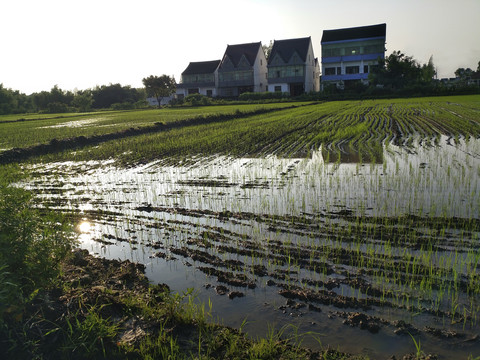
(355, 220)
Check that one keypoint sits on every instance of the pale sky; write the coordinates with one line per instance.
(84, 43)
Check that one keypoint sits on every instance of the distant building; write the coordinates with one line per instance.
(292, 67)
(199, 78)
(349, 54)
(242, 69)
(152, 101)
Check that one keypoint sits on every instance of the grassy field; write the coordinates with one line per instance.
(357, 127)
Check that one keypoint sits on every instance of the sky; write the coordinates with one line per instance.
(79, 44)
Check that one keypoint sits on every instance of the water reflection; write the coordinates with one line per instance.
(84, 227)
(175, 218)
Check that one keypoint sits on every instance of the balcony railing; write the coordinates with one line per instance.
(233, 83)
(286, 79)
(196, 84)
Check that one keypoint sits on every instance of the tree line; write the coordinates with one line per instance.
(401, 75)
(113, 96)
(395, 75)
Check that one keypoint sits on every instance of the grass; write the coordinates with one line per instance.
(413, 258)
(339, 127)
(46, 312)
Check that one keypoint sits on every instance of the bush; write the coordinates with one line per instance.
(123, 106)
(32, 243)
(197, 100)
(263, 96)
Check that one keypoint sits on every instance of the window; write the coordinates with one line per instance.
(352, 69)
(209, 93)
(352, 50)
(326, 52)
(365, 69)
(278, 88)
(339, 70)
(330, 71)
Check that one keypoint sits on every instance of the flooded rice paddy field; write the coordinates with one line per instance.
(361, 254)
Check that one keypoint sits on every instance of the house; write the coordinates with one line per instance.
(242, 69)
(349, 54)
(199, 78)
(292, 67)
(153, 101)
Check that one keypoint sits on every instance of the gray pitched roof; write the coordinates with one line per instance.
(286, 48)
(361, 32)
(201, 67)
(235, 52)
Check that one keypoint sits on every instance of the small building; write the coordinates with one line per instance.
(292, 67)
(199, 78)
(242, 69)
(153, 101)
(349, 54)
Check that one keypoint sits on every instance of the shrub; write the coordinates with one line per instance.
(263, 96)
(197, 99)
(123, 106)
(32, 243)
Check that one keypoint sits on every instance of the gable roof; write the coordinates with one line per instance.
(250, 51)
(286, 48)
(201, 67)
(361, 32)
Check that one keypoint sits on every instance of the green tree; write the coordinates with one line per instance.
(428, 71)
(398, 71)
(7, 103)
(267, 49)
(463, 73)
(83, 100)
(159, 86)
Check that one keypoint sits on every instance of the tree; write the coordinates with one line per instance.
(464, 74)
(267, 49)
(83, 101)
(428, 71)
(159, 86)
(398, 71)
(478, 67)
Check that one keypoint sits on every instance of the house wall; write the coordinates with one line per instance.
(350, 59)
(152, 101)
(284, 87)
(310, 71)
(260, 79)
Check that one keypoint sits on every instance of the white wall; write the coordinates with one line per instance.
(310, 71)
(284, 86)
(260, 80)
(153, 101)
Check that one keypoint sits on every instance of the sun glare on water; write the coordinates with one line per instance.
(84, 227)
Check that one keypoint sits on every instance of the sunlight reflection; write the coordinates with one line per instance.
(84, 227)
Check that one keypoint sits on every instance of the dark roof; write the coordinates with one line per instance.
(286, 48)
(235, 52)
(361, 32)
(202, 67)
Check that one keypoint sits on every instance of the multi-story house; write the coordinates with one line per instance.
(199, 78)
(242, 69)
(349, 54)
(292, 67)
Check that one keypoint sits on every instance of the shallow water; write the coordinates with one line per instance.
(276, 223)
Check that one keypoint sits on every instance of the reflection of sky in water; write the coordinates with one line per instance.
(440, 181)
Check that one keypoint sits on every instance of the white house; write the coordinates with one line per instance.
(242, 69)
(292, 67)
(199, 78)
